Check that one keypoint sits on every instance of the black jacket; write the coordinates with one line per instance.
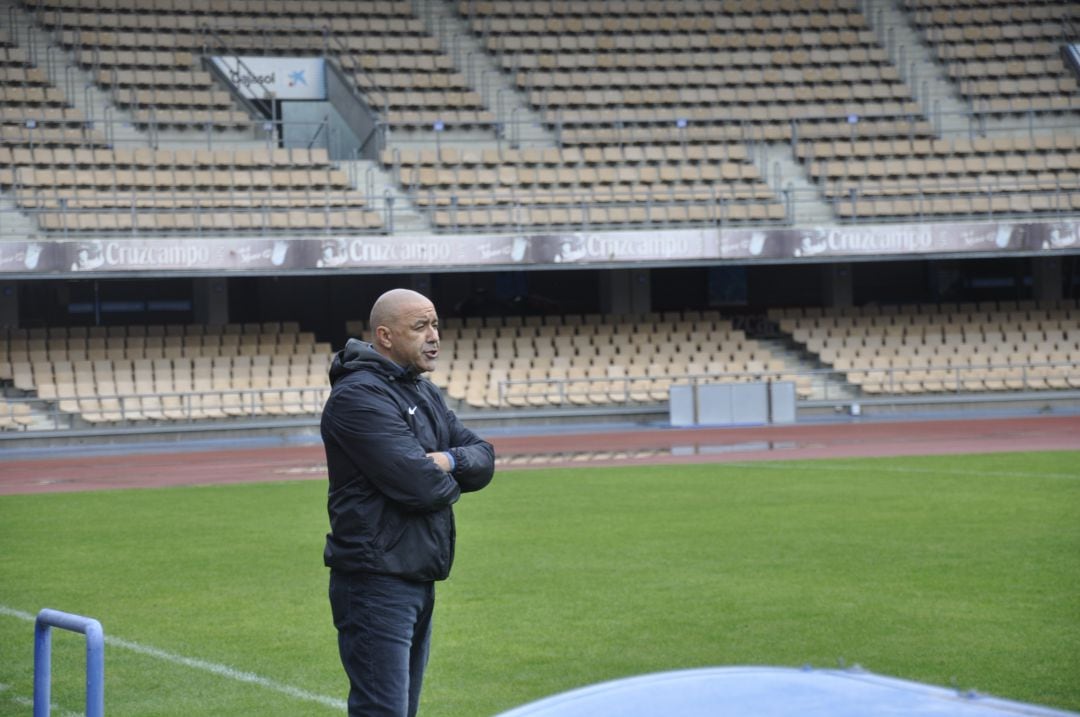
(389, 504)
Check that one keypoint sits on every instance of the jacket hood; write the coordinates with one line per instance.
(361, 356)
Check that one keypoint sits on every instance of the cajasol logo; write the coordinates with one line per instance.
(249, 79)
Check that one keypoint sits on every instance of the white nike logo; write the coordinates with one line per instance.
(412, 410)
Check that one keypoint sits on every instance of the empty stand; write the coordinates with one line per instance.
(660, 113)
(662, 84)
(927, 349)
(999, 175)
(163, 374)
(193, 191)
(597, 361)
(710, 70)
(588, 185)
(33, 111)
(174, 373)
(1005, 57)
(147, 55)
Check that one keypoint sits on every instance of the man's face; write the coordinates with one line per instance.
(414, 336)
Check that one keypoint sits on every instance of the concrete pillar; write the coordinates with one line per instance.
(210, 301)
(837, 285)
(640, 291)
(1047, 278)
(625, 291)
(9, 304)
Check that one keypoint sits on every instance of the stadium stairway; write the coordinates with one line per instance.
(913, 57)
(786, 177)
(496, 88)
(377, 184)
(825, 385)
(14, 225)
(523, 127)
(928, 82)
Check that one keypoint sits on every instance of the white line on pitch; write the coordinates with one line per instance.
(225, 671)
(27, 702)
(830, 466)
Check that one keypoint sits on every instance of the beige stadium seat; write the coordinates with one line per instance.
(548, 386)
(211, 404)
(15, 416)
(294, 405)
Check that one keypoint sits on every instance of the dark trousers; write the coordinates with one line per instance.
(384, 631)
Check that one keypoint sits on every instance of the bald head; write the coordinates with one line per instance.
(390, 305)
(405, 328)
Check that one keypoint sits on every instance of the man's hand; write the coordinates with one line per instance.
(441, 460)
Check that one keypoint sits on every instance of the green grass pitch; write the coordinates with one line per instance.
(960, 570)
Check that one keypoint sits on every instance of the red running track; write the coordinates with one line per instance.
(636, 446)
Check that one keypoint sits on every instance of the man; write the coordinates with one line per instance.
(398, 459)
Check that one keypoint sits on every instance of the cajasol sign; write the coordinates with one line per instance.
(283, 78)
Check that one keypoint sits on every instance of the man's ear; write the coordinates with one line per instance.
(382, 336)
